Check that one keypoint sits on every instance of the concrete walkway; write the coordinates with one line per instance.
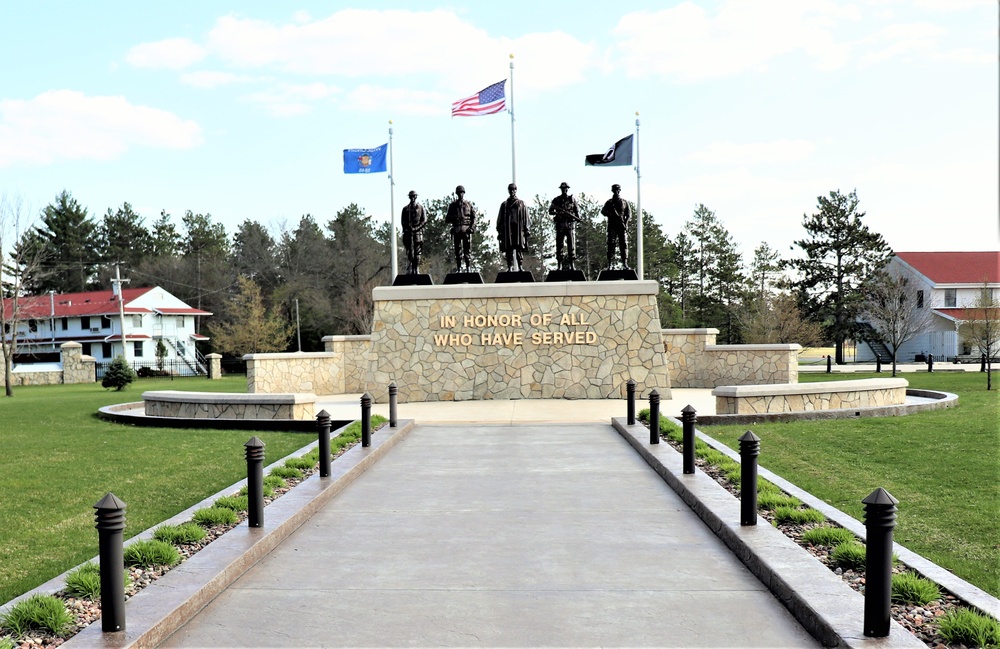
(498, 535)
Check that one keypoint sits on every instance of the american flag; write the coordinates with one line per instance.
(487, 101)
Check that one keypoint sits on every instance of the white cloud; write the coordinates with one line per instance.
(212, 78)
(68, 125)
(754, 153)
(172, 53)
(687, 44)
(288, 99)
(902, 39)
(399, 101)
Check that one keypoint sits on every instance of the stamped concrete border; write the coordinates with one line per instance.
(169, 602)
(827, 607)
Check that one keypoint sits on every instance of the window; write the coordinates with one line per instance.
(137, 348)
(920, 299)
(85, 322)
(137, 320)
(32, 325)
(106, 350)
(65, 323)
(105, 322)
(180, 322)
(950, 297)
(86, 349)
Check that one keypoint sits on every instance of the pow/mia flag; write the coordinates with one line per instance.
(619, 155)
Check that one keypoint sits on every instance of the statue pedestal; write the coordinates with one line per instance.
(565, 276)
(514, 277)
(418, 279)
(463, 278)
(616, 275)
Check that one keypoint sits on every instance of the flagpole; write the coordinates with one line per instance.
(513, 157)
(638, 203)
(392, 209)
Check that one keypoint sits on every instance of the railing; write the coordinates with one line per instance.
(153, 369)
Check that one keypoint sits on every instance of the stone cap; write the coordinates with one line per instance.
(533, 289)
(688, 332)
(178, 396)
(338, 339)
(288, 355)
(763, 347)
(809, 388)
(210, 356)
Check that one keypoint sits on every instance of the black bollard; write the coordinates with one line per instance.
(110, 519)
(323, 423)
(255, 481)
(749, 450)
(829, 364)
(393, 391)
(982, 363)
(654, 417)
(930, 362)
(878, 363)
(880, 518)
(688, 418)
(366, 420)
(630, 397)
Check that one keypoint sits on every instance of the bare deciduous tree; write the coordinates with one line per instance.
(893, 310)
(983, 327)
(777, 319)
(19, 264)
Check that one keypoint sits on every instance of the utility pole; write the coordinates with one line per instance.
(118, 281)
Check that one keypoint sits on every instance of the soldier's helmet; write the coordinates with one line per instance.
(511, 186)
(412, 194)
(563, 186)
(460, 190)
(616, 187)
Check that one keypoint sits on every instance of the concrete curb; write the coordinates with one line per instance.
(164, 606)
(827, 607)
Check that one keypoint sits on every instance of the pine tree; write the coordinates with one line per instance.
(70, 239)
(118, 375)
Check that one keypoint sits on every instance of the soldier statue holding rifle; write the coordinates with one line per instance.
(617, 210)
(566, 213)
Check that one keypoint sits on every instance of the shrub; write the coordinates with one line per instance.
(771, 500)
(177, 534)
(964, 626)
(828, 535)
(151, 552)
(44, 612)
(85, 581)
(798, 516)
(210, 516)
(301, 463)
(118, 375)
(286, 472)
(911, 588)
(849, 554)
(235, 503)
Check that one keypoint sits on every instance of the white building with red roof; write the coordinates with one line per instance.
(948, 283)
(109, 326)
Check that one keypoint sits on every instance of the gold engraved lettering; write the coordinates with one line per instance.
(440, 340)
(591, 337)
(515, 320)
(448, 321)
(468, 321)
(466, 339)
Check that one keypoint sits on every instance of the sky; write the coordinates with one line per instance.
(753, 108)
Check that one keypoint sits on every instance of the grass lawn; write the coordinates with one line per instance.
(59, 459)
(942, 466)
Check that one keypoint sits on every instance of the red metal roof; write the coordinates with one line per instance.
(179, 311)
(955, 267)
(961, 314)
(92, 303)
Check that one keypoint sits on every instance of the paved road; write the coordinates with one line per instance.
(532, 535)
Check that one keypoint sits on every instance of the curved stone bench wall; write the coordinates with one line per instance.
(221, 405)
(798, 397)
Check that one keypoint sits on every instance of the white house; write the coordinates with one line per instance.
(107, 326)
(948, 283)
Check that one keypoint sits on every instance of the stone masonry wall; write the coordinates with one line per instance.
(697, 362)
(354, 355)
(205, 410)
(76, 368)
(517, 342)
(315, 372)
(827, 400)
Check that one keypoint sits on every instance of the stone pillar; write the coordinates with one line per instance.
(77, 368)
(214, 366)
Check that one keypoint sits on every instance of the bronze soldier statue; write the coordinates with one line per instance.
(617, 210)
(462, 218)
(565, 214)
(413, 222)
(512, 229)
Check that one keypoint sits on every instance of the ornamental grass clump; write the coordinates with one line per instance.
(770, 500)
(212, 516)
(6, 643)
(274, 482)
(268, 490)
(286, 472)
(148, 553)
(85, 581)
(301, 463)
(828, 536)
(964, 626)
(798, 516)
(176, 534)
(849, 555)
(911, 588)
(38, 612)
(235, 503)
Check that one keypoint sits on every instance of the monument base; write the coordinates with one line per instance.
(610, 275)
(565, 276)
(417, 279)
(514, 277)
(463, 278)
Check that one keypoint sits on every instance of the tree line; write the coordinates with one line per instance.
(320, 275)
